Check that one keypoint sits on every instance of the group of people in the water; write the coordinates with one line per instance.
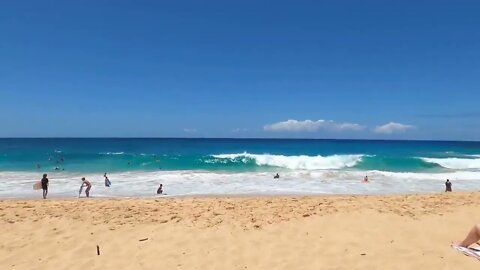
(365, 180)
(45, 182)
(87, 185)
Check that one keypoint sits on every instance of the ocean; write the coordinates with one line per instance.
(236, 166)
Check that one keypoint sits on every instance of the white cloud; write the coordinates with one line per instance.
(240, 130)
(311, 126)
(392, 127)
(190, 130)
(348, 126)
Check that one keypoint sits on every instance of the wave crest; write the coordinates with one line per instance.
(295, 162)
(455, 163)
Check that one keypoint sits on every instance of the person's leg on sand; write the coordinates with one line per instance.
(472, 237)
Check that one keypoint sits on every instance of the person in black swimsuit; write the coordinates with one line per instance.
(45, 185)
(160, 190)
(448, 186)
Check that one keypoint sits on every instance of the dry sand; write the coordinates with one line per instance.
(338, 232)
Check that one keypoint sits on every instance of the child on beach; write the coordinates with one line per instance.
(160, 190)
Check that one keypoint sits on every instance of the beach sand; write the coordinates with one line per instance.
(329, 232)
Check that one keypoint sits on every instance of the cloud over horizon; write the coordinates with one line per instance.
(237, 130)
(311, 126)
(190, 130)
(393, 127)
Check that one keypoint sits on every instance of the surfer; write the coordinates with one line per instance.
(160, 190)
(45, 185)
(107, 181)
(277, 176)
(448, 186)
(87, 184)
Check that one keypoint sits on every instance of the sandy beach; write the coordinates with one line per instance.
(331, 232)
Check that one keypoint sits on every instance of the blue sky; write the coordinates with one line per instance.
(239, 68)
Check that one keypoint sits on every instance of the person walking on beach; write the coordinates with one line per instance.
(160, 190)
(448, 186)
(87, 184)
(44, 185)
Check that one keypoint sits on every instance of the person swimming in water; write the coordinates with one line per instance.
(277, 176)
(160, 190)
(365, 180)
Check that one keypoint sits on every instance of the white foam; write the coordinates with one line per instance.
(455, 163)
(177, 183)
(297, 162)
(112, 153)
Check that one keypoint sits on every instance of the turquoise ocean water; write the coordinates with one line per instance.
(237, 166)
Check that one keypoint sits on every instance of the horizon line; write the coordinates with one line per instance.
(249, 138)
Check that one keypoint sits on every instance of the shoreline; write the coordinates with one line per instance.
(233, 196)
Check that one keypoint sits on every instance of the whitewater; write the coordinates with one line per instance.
(189, 167)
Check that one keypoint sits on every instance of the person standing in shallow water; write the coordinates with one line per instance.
(88, 185)
(448, 186)
(45, 185)
(107, 181)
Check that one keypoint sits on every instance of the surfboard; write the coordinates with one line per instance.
(37, 185)
(80, 191)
